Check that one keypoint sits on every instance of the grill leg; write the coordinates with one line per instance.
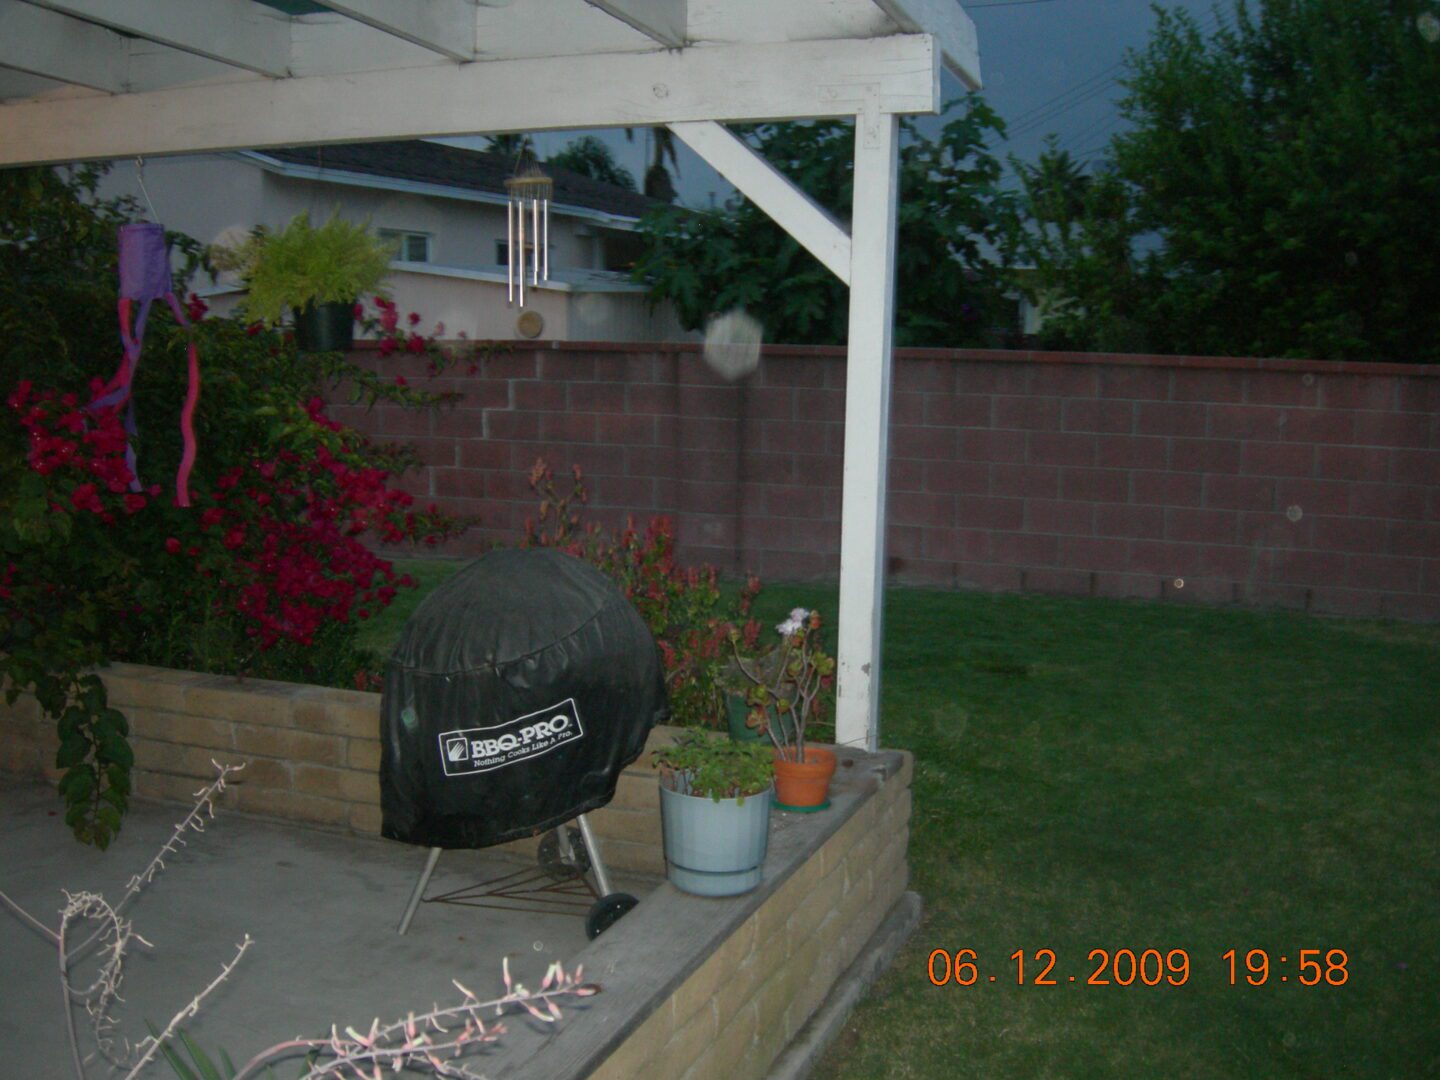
(597, 863)
(415, 896)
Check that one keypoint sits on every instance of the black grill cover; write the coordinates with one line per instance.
(518, 691)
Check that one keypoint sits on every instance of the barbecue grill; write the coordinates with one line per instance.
(517, 692)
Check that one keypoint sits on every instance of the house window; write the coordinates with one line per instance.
(412, 246)
(502, 253)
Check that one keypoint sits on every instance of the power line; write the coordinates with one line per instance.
(1007, 3)
(1082, 92)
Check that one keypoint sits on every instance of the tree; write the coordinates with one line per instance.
(591, 157)
(948, 289)
(1275, 195)
(658, 183)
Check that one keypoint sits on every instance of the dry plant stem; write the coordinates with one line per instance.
(105, 989)
(204, 806)
(74, 1039)
(413, 1041)
(26, 917)
(149, 1046)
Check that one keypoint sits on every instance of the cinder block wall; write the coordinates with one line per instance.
(1269, 482)
(311, 754)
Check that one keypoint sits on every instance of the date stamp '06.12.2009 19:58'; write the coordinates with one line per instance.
(1148, 967)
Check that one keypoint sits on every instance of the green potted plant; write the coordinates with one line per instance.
(316, 272)
(715, 812)
(786, 686)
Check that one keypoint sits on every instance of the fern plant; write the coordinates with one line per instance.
(302, 264)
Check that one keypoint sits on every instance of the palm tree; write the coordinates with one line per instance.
(514, 145)
(591, 157)
(658, 184)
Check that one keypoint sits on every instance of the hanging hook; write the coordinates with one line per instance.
(140, 179)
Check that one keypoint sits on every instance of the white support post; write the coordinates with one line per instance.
(867, 428)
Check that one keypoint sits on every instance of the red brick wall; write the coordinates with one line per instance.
(1308, 485)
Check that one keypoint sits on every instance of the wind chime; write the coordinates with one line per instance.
(528, 221)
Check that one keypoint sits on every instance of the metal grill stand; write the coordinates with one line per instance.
(558, 885)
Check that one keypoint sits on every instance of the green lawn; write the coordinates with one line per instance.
(1106, 775)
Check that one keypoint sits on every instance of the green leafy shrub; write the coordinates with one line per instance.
(304, 264)
(715, 767)
(683, 606)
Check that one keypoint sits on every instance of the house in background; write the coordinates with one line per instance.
(446, 207)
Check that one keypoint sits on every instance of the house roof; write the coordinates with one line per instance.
(417, 161)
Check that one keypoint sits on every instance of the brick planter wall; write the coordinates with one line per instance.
(311, 754)
(1303, 484)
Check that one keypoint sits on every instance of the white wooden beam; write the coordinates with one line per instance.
(771, 190)
(57, 47)
(235, 32)
(867, 429)
(742, 83)
(663, 20)
(952, 27)
(443, 26)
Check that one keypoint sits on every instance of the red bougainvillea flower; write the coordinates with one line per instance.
(87, 497)
(413, 318)
(172, 545)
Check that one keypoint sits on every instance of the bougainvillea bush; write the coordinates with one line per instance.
(684, 607)
(267, 573)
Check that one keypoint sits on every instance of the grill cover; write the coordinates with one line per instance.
(518, 691)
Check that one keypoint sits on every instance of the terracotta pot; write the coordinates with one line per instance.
(804, 783)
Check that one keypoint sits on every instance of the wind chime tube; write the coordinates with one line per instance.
(535, 262)
(546, 256)
(510, 252)
(520, 252)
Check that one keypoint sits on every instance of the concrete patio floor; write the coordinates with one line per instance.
(322, 909)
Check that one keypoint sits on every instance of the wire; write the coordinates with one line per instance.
(1079, 94)
(140, 179)
(1007, 3)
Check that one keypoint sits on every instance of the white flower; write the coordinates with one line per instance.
(1429, 26)
(794, 624)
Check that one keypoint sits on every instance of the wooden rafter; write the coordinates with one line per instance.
(55, 46)
(234, 32)
(446, 27)
(804, 79)
(662, 20)
(959, 45)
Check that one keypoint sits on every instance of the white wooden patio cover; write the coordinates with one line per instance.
(94, 79)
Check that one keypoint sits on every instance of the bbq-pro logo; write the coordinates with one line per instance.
(466, 751)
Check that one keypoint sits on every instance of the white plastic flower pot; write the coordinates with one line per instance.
(715, 848)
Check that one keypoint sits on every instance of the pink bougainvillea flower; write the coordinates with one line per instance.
(172, 545)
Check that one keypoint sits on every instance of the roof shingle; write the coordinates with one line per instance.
(455, 166)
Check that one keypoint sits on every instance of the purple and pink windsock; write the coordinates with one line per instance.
(145, 278)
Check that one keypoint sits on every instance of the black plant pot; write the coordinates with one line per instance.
(328, 327)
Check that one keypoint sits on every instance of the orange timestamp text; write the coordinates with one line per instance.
(1145, 967)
